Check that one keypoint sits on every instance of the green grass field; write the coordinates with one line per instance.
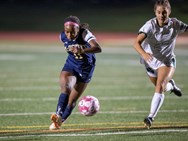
(29, 90)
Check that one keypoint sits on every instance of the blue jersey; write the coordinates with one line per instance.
(81, 65)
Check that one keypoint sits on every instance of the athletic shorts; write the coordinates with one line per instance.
(152, 67)
(83, 74)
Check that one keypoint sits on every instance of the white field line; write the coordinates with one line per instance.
(30, 88)
(115, 98)
(17, 57)
(43, 88)
(28, 99)
(100, 112)
(98, 134)
(118, 133)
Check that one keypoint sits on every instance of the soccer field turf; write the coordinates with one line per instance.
(29, 90)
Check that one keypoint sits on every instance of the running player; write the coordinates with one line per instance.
(155, 43)
(81, 46)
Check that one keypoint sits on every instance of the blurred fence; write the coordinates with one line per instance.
(102, 15)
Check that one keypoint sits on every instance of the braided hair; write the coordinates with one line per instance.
(76, 20)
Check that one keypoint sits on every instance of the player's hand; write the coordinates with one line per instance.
(147, 57)
(76, 49)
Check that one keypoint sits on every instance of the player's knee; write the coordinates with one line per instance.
(164, 83)
(65, 88)
(160, 87)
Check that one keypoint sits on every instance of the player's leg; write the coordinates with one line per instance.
(165, 74)
(153, 80)
(83, 78)
(163, 77)
(152, 74)
(67, 81)
(171, 85)
(73, 97)
(79, 88)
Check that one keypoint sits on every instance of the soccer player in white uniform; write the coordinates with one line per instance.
(155, 43)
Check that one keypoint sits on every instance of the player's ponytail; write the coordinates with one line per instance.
(84, 25)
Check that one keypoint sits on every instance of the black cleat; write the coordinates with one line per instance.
(175, 90)
(148, 122)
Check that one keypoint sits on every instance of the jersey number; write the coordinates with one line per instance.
(78, 56)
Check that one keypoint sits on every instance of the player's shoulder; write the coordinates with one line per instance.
(175, 21)
(62, 36)
(151, 21)
(150, 24)
(80, 37)
(84, 31)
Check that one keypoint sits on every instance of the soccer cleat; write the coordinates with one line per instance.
(56, 122)
(148, 122)
(175, 90)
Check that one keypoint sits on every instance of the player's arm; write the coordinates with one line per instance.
(186, 27)
(95, 47)
(137, 45)
(180, 26)
(90, 38)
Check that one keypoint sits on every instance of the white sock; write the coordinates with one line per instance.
(156, 103)
(169, 87)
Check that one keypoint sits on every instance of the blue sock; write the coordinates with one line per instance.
(67, 112)
(62, 104)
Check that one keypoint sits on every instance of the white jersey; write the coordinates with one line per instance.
(160, 41)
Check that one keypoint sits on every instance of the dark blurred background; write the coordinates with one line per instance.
(101, 15)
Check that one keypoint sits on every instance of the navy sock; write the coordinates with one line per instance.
(67, 112)
(62, 104)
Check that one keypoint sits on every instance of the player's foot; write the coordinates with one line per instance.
(175, 90)
(148, 122)
(56, 122)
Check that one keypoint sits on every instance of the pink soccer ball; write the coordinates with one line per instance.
(89, 105)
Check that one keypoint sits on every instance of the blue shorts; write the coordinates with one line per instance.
(83, 74)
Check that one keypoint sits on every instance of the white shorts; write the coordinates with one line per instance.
(152, 67)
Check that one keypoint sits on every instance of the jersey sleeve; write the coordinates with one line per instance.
(146, 28)
(180, 26)
(62, 37)
(88, 36)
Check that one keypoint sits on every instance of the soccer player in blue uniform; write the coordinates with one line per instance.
(81, 46)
